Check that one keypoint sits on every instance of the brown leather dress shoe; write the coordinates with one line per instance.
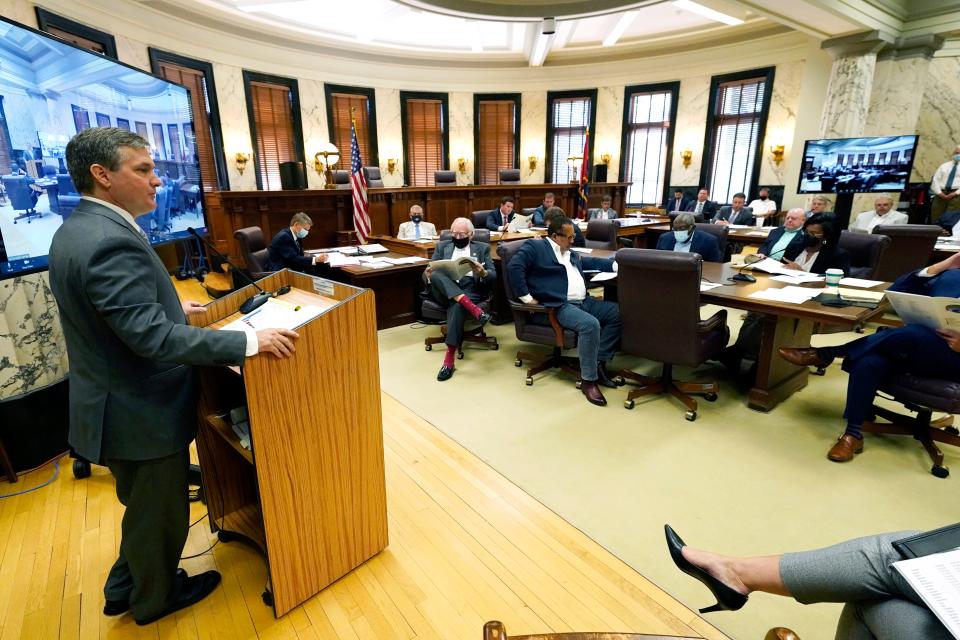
(845, 448)
(592, 391)
(808, 357)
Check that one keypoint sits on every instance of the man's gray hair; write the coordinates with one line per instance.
(99, 145)
(686, 218)
(822, 199)
(884, 197)
(301, 218)
(796, 210)
(466, 221)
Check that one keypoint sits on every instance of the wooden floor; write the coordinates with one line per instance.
(466, 546)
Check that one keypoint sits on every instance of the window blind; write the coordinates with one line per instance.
(176, 150)
(736, 127)
(648, 139)
(159, 141)
(103, 120)
(424, 152)
(123, 124)
(80, 41)
(569, 120)
(273, 119)
(201, 145)
(496, 144)
(142, 130)
(340, 107)
(81, 119)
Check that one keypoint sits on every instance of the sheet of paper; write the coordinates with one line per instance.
(792, 295)
(797, 277)
(628, 222)
(604, 275)
(936, 579)
(706, 286)
(274, 315)
(761, 234)
(769, 265)
(859, 283)
(740, 226)
(860, 294)
(374, 263)
(581, 249)
(424, 240)
(337, 259)
(406, 260)
(367, 248)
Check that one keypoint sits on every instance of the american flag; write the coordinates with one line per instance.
(358, 184)
(584, 189)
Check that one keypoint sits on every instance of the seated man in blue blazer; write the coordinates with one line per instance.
(460, 296)
(736, 212)
(786, 238)
(499, 218)
(547, 272)
(538, 219)
(686, 239)
(703, 205)
(286, 248)
(872, 359)
(677, 203)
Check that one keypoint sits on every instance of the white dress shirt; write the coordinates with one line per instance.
(867, 220)
(576, 287)
(805, 260)
(408, 230)
(253, 345)
(761, 207)
(938, 182)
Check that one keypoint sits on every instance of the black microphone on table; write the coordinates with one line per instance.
(253, 301)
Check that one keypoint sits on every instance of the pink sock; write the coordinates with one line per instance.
(449, 356)
(471, 308)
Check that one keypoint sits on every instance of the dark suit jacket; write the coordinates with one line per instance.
(494, 219)
(709, 208)
(535, 270)
(948, 219)
(828, 258)
(795, 245)
(132, 391)
(745, 217)
(703, 243)
(537, 219)
(671, 204)
(285, 252)
(943, 285)
(479, 251)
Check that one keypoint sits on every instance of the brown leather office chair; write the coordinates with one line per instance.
(553, 334)
(718, 231)
(602, 234)
(922, 396)
(911, 246)
(494, 630)
(254, 251)
(373, 177)
(445, 178)
(866, 252)
(671, 332)
(509, 176)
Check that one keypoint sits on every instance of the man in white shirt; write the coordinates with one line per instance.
(763, 206)
(417, 227)
(883, 213)
(604, 212)
(944, 186)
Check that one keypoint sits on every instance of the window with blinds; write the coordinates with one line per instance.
(175, 148)
(358, 103)
(496, 134)
(76, 33)
(103, 120)
(274, 109)
(570, 115)
(206, 148)
(159, 141)
(123, 123)
(738, 119)
(648, 125)
(81, 119)
(142, 130)
(425, 136)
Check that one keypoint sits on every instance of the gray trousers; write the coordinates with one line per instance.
(153, 531)
(444, 290)
(879, 604)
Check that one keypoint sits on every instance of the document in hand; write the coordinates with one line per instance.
(455, 269)
(519, 222)
(936, 579)
(769, 265)
(936, 313)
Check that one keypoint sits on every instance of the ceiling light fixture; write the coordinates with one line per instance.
(549, 27)
(626, 19)
(707, 12)
(540, 48)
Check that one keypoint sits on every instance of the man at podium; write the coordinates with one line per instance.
(132, 392)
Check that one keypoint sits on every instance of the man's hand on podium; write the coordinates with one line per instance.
(279, 342)
(190, 307)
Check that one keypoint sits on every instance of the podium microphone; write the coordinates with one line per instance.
(253, 301)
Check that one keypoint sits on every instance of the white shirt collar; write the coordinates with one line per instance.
(109, 205)
(561, 256)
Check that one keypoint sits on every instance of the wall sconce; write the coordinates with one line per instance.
(687, 156)
(391, 165)
(777, 152)
(331, 156)
(241, 159)
(462, 165)
(605, 158)
(533, 162)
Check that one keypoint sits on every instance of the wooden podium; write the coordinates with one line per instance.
(311, 492)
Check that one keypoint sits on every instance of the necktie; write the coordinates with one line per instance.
(416, 232)
(733, 216)
(953, 174)
(699, 208)
(676, 206)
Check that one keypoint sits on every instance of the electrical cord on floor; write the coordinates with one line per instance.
(204, 552)
(56, 472)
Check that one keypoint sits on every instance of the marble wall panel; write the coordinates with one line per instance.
(848, 96)
(938, 123)
(691, 126)
(606, 139)
(235, 125)
(389, 135)
(781, 121)
(313, 113)
(533, 132)
(133, 52)
(461, 134)
(22, 12)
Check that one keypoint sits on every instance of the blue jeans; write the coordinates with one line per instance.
(597, 325)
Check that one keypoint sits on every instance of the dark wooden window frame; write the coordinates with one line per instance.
(220, 161)
(290, 83)
(576, 93)
(482, 97)
(767, 73)
(444, 118)
(47, 19)
(370, 94)
(674, 89)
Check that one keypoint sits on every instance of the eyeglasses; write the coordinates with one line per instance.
(460, 235)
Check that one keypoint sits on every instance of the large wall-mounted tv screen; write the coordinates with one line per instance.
(857, 165)
(49, 91)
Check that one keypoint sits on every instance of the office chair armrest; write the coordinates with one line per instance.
(528, 308)
(715, 321)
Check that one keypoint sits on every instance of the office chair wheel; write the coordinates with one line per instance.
(952, 430)
(821, 371)
(518, 362)
(940, 471)
(710, 397)
(227, 536)
(529, 381)
(494, 346)
(267, 597)
(690, 416)
(619, 381)
(579, 384)
(459, 355)
(629, 404)
(428, 347)
(81, 469)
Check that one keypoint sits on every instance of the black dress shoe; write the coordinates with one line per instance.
(192, 590)
(116, 607)
(727, 599)
(483, 318)
(603, 377)
(445, 373)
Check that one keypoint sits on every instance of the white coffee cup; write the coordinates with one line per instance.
(833, 277)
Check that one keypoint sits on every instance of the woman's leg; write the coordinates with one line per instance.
(891, 619)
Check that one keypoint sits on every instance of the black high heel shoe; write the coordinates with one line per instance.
(727, 599)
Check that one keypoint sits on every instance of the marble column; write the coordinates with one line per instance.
(847, 102)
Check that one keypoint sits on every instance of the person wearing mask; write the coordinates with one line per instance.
(133, 402)
(416, 228)
(818, 204)
(735, 213)
(944, 186)
(703, 207)
(538, 214)
(499, 219)
(547, 272)
(686, 239)
(460, 297)
(604, 212)
(678, 203)
(762, 206)
(286, 248)
(786, 237)
(882, 213)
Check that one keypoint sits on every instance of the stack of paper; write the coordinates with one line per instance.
(367, 248)
(374, 263)
(936, 579)
(769, 265)
(793, 295)
(274, 314)
(406, 260)
(337, 259)
(706, 286)
(792, 276)
(861, 295)
(859, 282)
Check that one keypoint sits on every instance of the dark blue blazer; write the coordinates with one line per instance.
(709, 208)
(796, 245)
(948, 219)
(537, 219)
(672, 202)
(494, 218)
(285, 252)
(534, 270)
(942, 285)
(700, 242)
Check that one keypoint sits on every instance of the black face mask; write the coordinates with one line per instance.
(810, 241)
(416, 219)
(460, 243)
(763, 197)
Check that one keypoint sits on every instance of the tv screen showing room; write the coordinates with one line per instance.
(51, 90)
(857, 165)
